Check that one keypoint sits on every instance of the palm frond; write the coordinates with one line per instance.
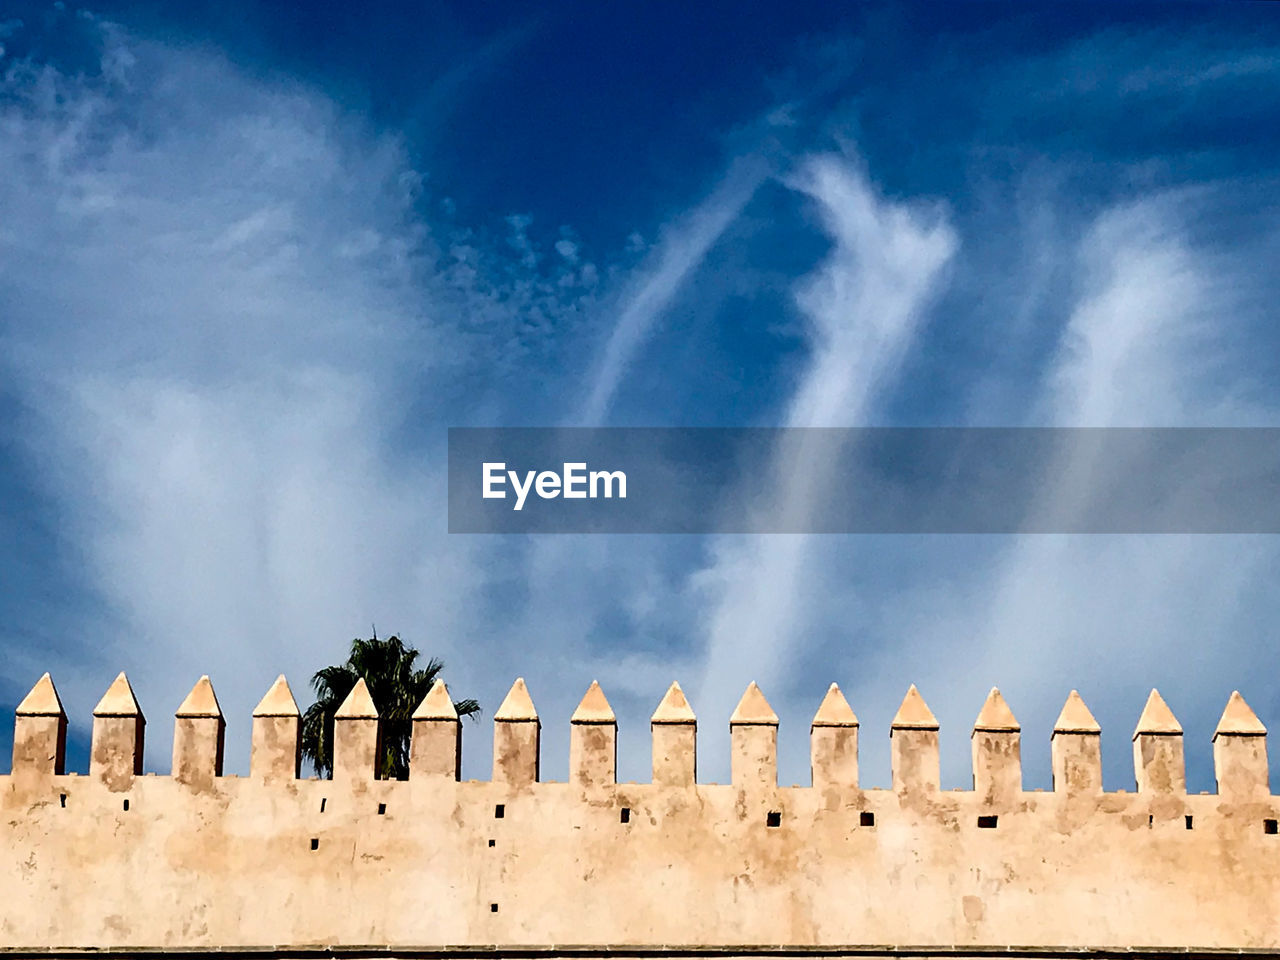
(396, 685)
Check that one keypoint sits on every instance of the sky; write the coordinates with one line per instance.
(255, 260)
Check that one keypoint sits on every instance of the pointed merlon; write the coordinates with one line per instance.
(594, 707)
(201, 702)
(42, 701)
(118, 701)
(753, 708)
(518, 705)
(1076, 717)
(914, 713)
(436, 705)
(1238, 719)
(674, 708)
(995, 715)
(1157, 718)
(278, 701)
(358, 705)
(834, 711)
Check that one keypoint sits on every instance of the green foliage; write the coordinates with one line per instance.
(397, 687)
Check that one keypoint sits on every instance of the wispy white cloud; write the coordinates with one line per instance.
(674, 257)
(1118, 614)
(1126, 63)
(240, 337)
(1146, 342)
(864, 308)
(237, 316)
(213, 298)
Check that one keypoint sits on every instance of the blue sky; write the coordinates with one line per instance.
(254, 261)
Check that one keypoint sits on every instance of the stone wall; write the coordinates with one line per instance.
(431, 866)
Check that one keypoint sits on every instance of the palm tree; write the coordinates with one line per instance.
(387, 667)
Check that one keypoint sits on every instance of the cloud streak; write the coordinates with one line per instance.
(214, 316)
(678, 254)
(235, 319)
(864, 307)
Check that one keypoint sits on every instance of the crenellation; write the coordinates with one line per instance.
(516, 735)
(199, 734)
(1076, 749)
(833, 742)
(1157, 749)
(198, 861)
(674, 729)
(276, 748)
(913, 746)
(40, 731)
(753, 741)
(593, 741)
(1239, 741)
(435, 746)
(1240, 752)
(115, 752)
(357, 736)
(995, 745)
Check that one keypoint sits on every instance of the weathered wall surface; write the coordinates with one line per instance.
(200, 861)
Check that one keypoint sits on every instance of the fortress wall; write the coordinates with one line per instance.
(198, 861)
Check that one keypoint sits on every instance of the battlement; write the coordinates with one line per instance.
(198, 861)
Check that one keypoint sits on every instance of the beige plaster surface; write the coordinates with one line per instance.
(208, 862)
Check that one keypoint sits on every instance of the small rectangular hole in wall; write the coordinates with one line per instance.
(323, 801)
(774, 819)
(1188, 819)
(499, 812)
(493, 908)
(866, 819)
(624, 816)
(1151, 820)
(62, 800)
(493, 843)
(126, 804)
(382, 808)
(1271, 826)
(988, 822)
(315, 843)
